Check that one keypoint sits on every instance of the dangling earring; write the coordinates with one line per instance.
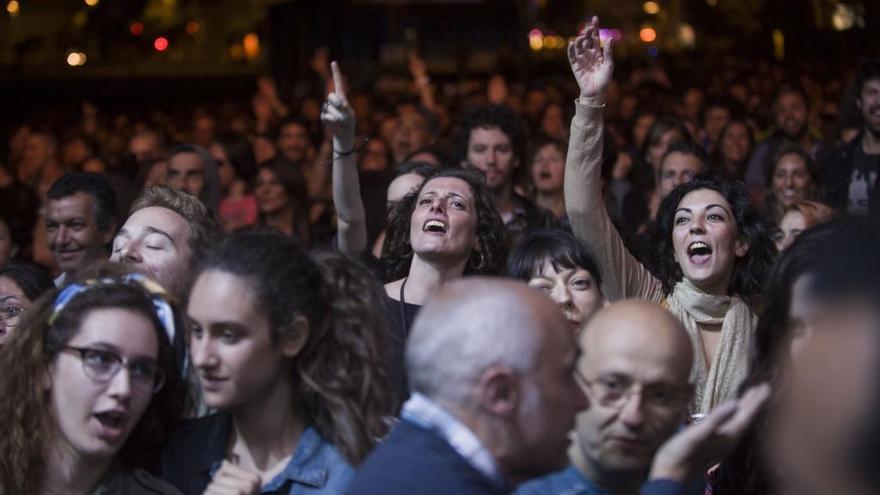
(482, 262)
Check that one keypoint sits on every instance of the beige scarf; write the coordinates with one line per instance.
(730, 362)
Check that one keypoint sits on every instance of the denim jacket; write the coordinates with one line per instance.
(195, 453)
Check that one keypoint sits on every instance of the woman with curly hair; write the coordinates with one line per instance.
(288, 350)
(91, 389)
(713, 250)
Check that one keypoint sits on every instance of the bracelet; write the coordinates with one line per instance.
(340, 154)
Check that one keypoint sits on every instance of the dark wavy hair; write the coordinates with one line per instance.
(29, 424)
(717, 157)
(31, 278)
(294, 184)
(488, 259)
(560, 248)
(750, 272)
(341, 378)
(488, 117)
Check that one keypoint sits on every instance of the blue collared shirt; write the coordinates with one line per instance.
(316, 468)
(429, 415)
(569, 481)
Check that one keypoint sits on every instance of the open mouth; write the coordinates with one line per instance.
(544, 175)
(435, 226)
(699, 252)
(112, 422)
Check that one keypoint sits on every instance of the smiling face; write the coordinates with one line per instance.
(573, 289)
(444, 222)
(706, 241)
(869, 105)
(735, 143)
(231, 344)
(72, 231)
(791, 180)
(156, 241)
(95, 418)
(791, 115)
(270, 193)
(548, 169)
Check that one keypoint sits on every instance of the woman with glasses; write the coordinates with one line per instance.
(21, 283)
(91, 389)
(289, 350)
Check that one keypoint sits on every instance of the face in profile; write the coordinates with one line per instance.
(706, 241)
(444, 221)
(95, 408)
(573, 289)
(237, 358)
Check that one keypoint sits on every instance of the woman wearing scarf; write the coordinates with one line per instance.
(712, 248)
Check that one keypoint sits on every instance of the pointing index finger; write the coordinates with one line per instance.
(337, 79)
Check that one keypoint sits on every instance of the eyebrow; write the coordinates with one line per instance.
(154, 230)
(713, 205)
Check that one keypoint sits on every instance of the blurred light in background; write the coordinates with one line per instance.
(193, 27)
(648, 34)
(843, 17)
(536, 39)
(160, 44)
(251, 44)
(651, 7)
(75, 59)
(778, 44)
(711, 3)
(136, 28)
(687, 36)
(12, 7)
(91, 3)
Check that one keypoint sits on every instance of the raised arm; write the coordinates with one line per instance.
(623, 276)
(339, 118)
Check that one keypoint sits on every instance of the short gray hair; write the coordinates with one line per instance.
(466, 327)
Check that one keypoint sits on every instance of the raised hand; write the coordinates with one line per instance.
(337, 114)
(699, 445)
(591, 64)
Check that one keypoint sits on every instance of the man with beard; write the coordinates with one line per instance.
(791, 111)
(850, 177)
(492, 140)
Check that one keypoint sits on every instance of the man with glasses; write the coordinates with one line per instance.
(634, 367)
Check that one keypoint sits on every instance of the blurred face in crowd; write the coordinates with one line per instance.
(401, 186)
(548, 169)
(72, 231)
(264, 149)
(95, 416)
(677, 169)
(657, 149)
(792, 181)
(203, 130)
(156, 241)
(293, 141)
(636, 362)
(375, 156)
(812, 444)
(716, 119)
(157, 175)
(490, 151)
(8, 249)
(573, 289)
(13, 302)
(706, 240)
(444, 222)
(410, 134)
(186, 171)
(869, 105)
(224, 166)
(791, 114)
(552, 123)
(75, 152)
(39, 151)
(144, 147)
(640, 128)
(238, 360)
(735, 143)
(270, 193)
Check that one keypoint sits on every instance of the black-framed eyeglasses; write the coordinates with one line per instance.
(10, 313)
(102, 365)
(615, 392)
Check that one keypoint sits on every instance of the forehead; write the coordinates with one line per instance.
(222, 296)
(187, 160)
(544, 268)
(131, 332)
(790, 98)
(489, 136)
(871, 84)
(8, 287)
(791, 160)
(157, 217)
(78, 204)
(293, 128)
(701, 198)
(634, 349)
(448, 185)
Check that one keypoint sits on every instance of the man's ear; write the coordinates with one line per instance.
(499, 391)
(110, 233)
(741, 247)
(294, 337)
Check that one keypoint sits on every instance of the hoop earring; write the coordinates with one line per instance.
(479, 266)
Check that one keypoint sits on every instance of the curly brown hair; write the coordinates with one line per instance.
(341, 381)
(490, 256)
(29, 424)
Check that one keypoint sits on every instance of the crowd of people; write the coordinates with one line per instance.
(677, 293)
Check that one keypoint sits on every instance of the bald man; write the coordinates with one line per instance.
(635, 362)
(491, 366)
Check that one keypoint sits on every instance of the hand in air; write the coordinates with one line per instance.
(337, 114)
(591, 64)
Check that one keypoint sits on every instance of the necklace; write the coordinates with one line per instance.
(403, 305)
